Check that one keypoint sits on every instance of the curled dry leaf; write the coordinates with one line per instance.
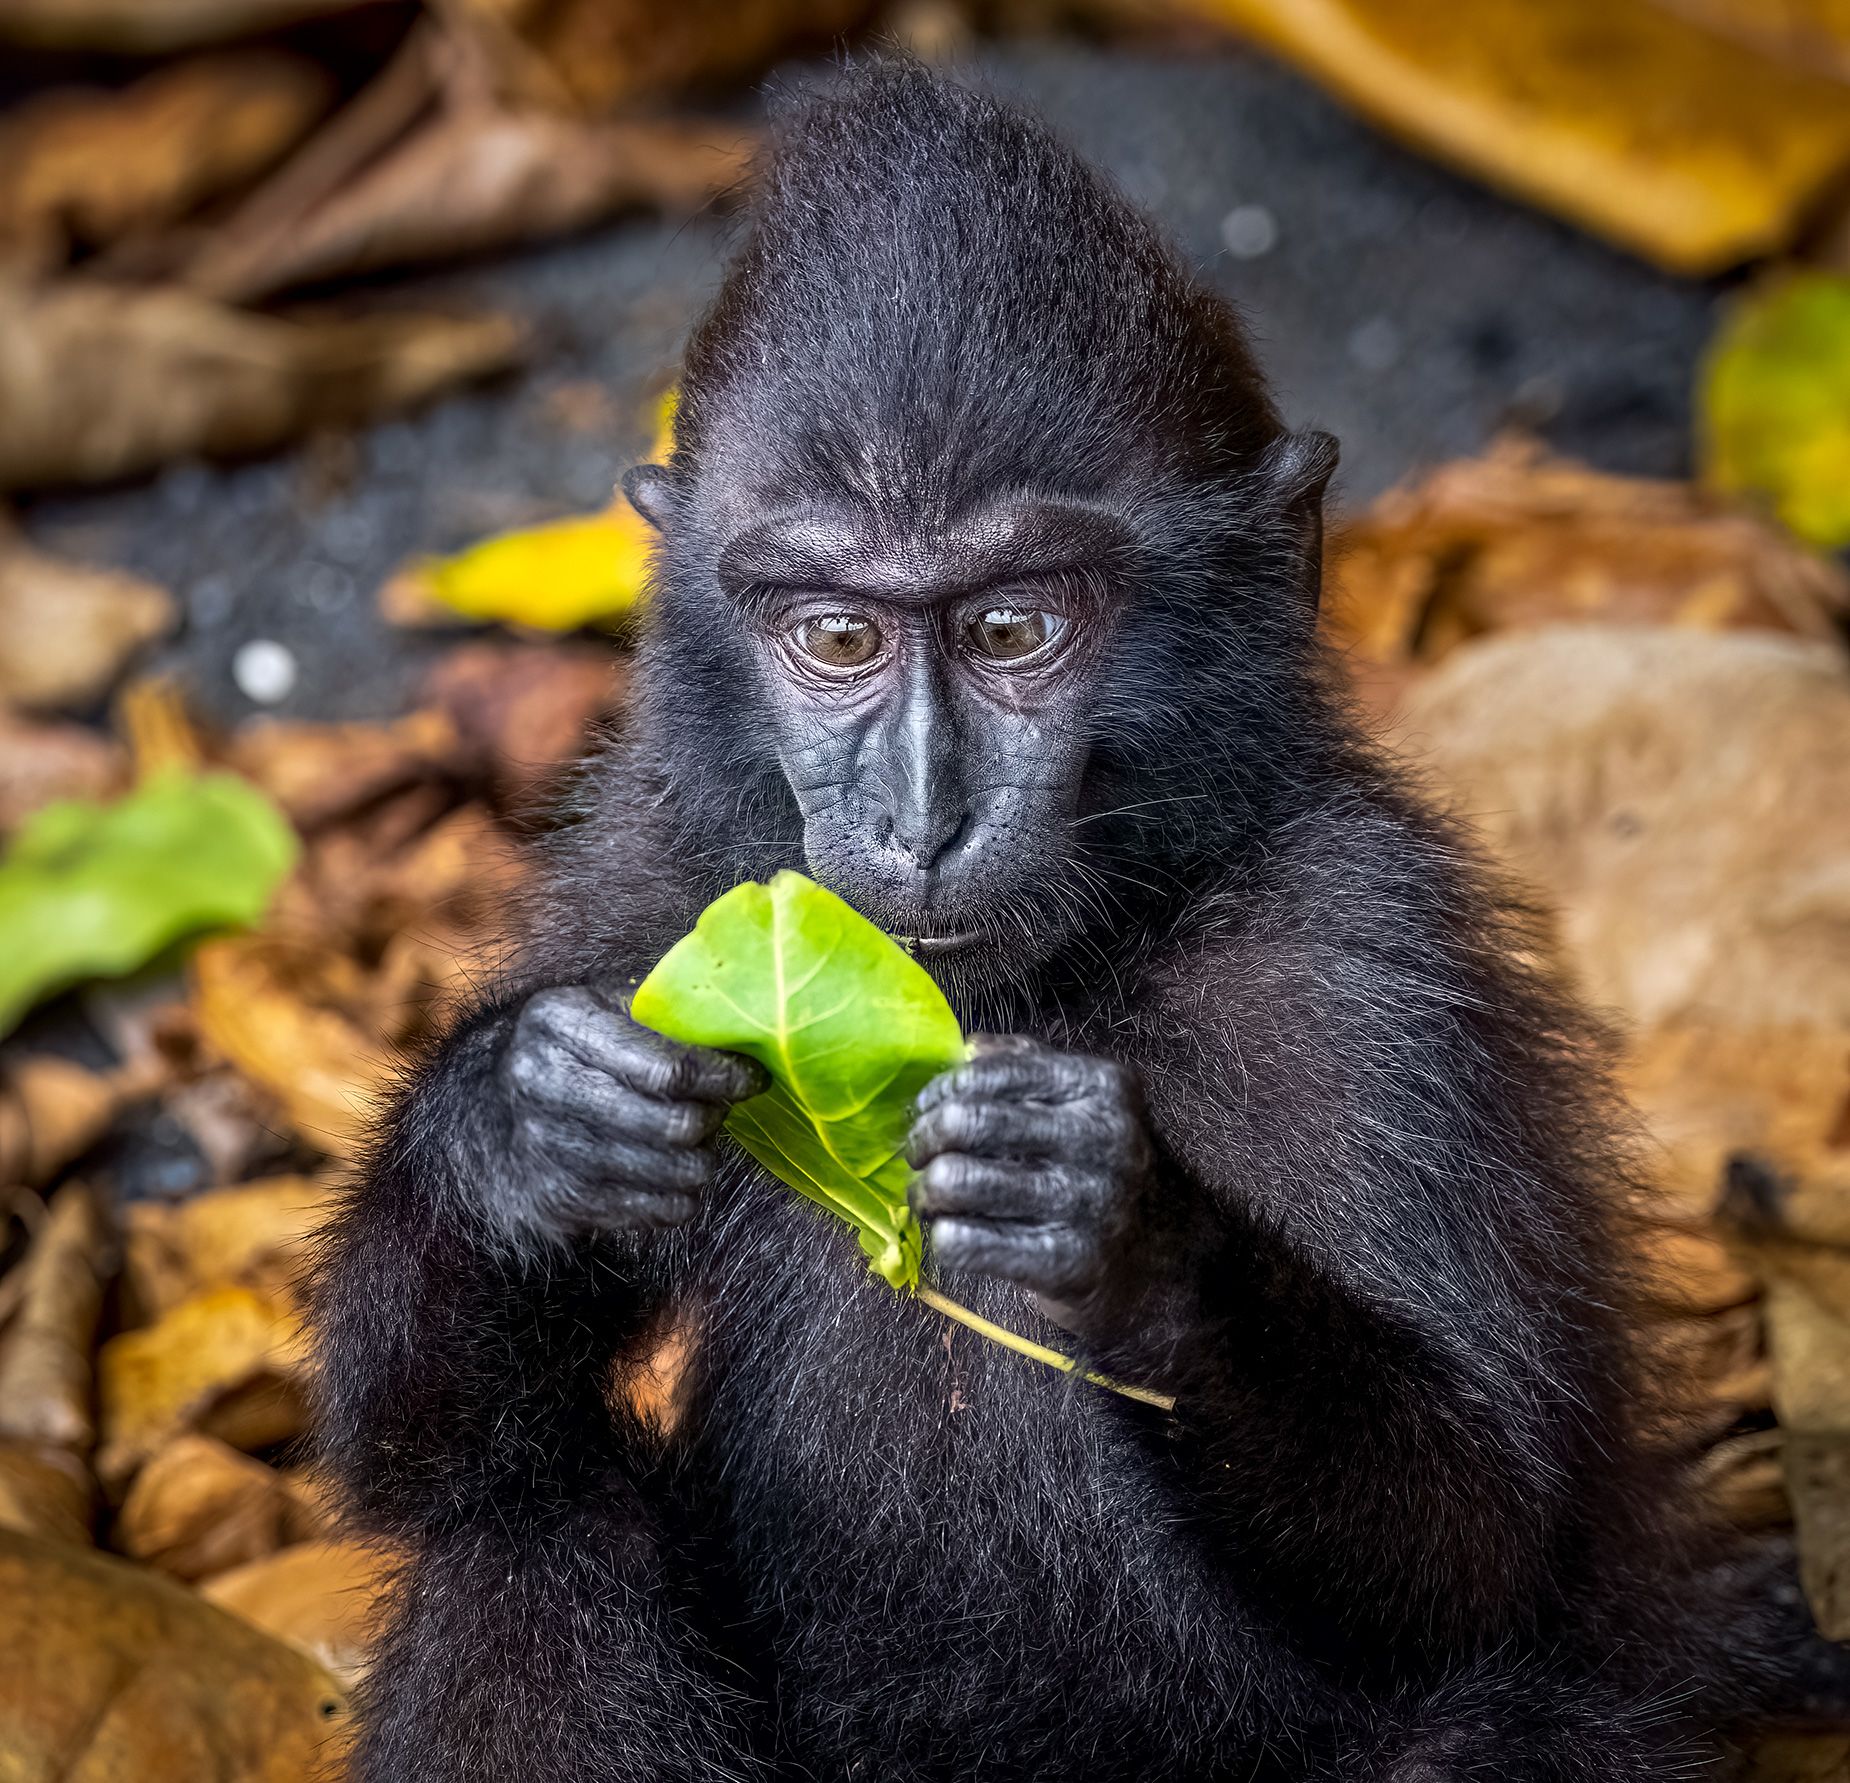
(41, 761)
(1517, 539)
(1800, 1758)
(90, 167)
(471, 180)
(45, 1491)
(285, 1016)
(45, 1370)
(1710, 1089)
(253, 1235)
(134, 27)
(597, 54)
(99, 382)
(52, 1110)
(1809, 34)
(320, 772)
(114, 1672)
(225, 1363)
(199, 1507)
(1617, 114)
(323, 1597)
(67, 630)
(523, 709)
(1682, 798)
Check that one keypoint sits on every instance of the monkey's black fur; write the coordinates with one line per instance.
(1405, 1524)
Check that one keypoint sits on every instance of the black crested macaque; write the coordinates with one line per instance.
(986, 594)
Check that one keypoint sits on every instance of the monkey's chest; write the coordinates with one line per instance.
(949, 1559)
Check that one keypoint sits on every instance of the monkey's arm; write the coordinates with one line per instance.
(466, 1375)
(1339, 1228)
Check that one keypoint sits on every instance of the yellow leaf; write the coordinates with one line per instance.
(554, 577)
(586, 570)
(1775, 404)
(1682, 145)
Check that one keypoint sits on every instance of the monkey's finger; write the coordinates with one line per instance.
(584, 1210)
(1051, 1260)
(1027, 1072)
(608, 1040)
(954, 1184)
(601, 1159)
(1004, 1129)
(553, 1081)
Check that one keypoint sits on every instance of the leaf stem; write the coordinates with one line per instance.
(1037, 1352)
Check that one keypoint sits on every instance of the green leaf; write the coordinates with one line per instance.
(1775, 404)
(849, 1026)
(94, 891)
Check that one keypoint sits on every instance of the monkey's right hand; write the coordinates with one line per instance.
(612, 1126)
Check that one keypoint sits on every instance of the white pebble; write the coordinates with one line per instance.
(1250, 231)
(264, 670)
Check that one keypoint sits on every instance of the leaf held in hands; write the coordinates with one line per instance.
(94, 891)
(850, 1029)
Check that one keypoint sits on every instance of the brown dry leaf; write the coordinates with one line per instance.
(67, 630)
(1809, 34)
(597, 54)
(45, 1490)
(1690, 1273)
(114, 1672)
(322, 1597)
(524, 709)
(1800, 1758)
(51, 1110)
(226, 1363)
(471, 180)
(319, 772)
(285, 1016)
(200, 1507)
(1674, 142)
(1710, 1090)
(45, 1353)
(99, 382)
(1683, 800)
(151, 27)
(1518, 539)
(89, 167)
(451, 882)
(1744, 1478)
(254, 1235)
(41, 761)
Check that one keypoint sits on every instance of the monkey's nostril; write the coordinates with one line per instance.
(925, 840)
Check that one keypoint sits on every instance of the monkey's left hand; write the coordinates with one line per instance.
(1037, 1166)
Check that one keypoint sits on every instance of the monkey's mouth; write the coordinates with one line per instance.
(935, 947)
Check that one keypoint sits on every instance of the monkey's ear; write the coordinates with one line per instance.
(651, 493)
(1296, 470)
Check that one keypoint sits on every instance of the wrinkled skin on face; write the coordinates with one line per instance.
(930, 694)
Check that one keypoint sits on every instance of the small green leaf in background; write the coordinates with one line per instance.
(849, 1026)
(1775, 404)
(94, 891)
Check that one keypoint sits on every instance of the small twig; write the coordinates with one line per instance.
(1023, 1346)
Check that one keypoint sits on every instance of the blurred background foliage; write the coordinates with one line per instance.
(326, 327)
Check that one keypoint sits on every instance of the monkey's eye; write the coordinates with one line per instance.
(839, 640)
(1007, 634)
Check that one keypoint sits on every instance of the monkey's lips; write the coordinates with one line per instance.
(936, 947)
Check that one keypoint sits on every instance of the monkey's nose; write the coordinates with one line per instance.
(925, 836)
